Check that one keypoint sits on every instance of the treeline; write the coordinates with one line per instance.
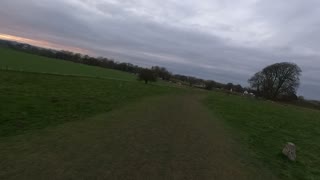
(158, 72)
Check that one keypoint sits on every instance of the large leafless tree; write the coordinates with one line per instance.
(277, 80)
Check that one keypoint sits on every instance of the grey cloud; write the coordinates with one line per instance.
(178, 34)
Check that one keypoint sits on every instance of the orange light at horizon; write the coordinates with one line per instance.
(42, 43)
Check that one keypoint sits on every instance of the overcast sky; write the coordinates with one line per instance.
(223, 40)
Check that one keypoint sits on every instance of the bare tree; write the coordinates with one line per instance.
(256, 82)
(277, 80)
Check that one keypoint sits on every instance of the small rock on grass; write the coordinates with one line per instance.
(289, 151)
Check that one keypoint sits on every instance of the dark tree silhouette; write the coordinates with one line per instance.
(229, 86)
(162, 72)
(277, 81)
(256, 82)
(238, 88)
(209, 85)
(147, 75)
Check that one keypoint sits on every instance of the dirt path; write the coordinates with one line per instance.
(160, 138)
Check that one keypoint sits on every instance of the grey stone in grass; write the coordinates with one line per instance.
(289, 151)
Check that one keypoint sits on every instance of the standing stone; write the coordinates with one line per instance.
(289, 150)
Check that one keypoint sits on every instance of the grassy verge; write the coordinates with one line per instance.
(32, 101)
(264, 127)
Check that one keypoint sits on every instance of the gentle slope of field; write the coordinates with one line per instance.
(264, 127)
(32, 101)
(21, 61)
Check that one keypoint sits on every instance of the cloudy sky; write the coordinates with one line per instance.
(223, 40)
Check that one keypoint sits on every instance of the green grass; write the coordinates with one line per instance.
(164, 137)
(21, 61)
(35, 104)
(264, 127)
(32, 101)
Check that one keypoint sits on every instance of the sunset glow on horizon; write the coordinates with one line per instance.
(42, 43)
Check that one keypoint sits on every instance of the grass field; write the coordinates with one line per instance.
(32, 101)
(57, 126)
(264, 127)
(21, 61)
